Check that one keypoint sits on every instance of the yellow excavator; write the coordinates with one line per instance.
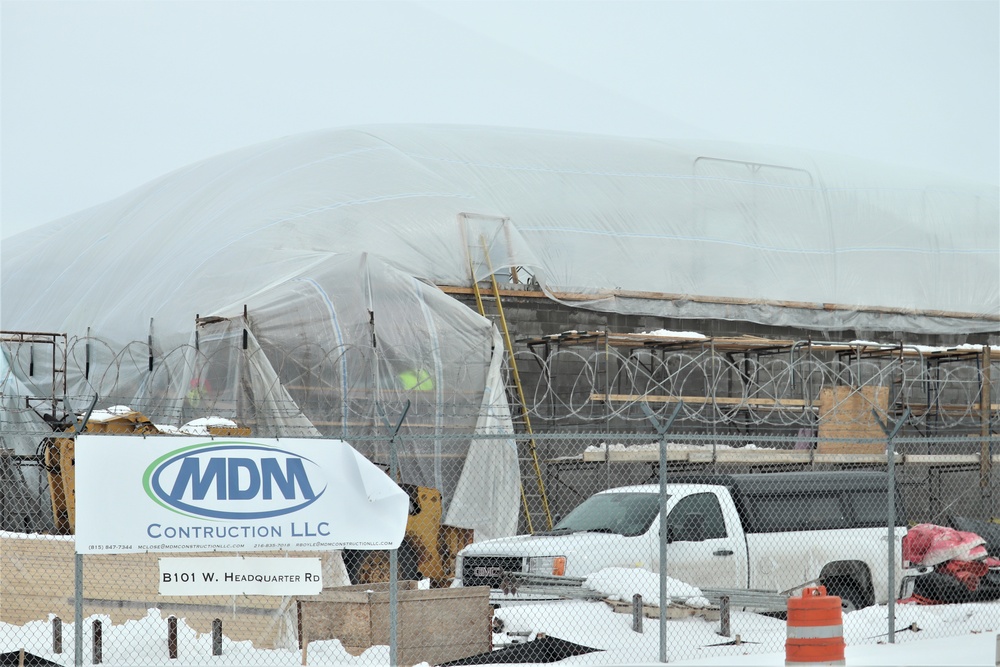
(428, 549)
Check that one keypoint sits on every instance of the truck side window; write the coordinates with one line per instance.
(696, 518)
(775, 514)
(870, 508)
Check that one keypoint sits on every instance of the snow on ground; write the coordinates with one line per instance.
(142, 643)
(926, 635)
(949, 635)
(968, 629)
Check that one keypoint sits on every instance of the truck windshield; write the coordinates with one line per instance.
(627, 514)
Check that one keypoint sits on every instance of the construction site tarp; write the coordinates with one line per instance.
(353, 348)
(666, 228)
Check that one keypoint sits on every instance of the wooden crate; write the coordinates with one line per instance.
(846, 413)
(434, 625)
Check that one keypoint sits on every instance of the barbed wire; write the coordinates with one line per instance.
(334, 387)
(781, 390)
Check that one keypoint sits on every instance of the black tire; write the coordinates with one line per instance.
(852, 597)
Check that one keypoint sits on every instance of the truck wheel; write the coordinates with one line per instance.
(851, 596)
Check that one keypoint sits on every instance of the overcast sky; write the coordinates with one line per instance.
(100, 97)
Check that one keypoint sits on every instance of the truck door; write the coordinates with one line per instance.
(705, 545)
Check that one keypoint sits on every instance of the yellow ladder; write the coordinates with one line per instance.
(518, 388)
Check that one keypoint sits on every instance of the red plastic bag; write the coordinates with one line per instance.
(929, 544)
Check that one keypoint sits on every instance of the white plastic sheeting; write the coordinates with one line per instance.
(333, 352)
(336, 346)
(676, 229)
(491, 475)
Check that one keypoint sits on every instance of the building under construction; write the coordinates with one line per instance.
(492, 283)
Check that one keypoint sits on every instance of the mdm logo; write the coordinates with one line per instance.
(233, 480)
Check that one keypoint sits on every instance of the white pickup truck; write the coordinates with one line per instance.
(774, 531)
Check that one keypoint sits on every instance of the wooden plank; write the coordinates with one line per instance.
(845, 413)
(950, 409)
(765, 456)
(632, 455)
(673, 611)
(953, 409)
(664, 296)
(701, 400)
(705, 455)
(938, 459)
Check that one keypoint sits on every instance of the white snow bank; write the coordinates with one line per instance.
(200, 426)
(108, 414)
(622, 583)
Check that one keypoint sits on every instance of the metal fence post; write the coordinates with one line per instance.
(637, 613)
(78, 557)
(78, 609)
(57, 635)
(394, 553)
(217, 636)
(172, 637)
(662, 431)
(890, 457)
(97, 637)
(724, 617)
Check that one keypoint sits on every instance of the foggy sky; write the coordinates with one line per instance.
(101, 97)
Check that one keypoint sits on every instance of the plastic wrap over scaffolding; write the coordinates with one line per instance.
(354, 350)
(664, 228)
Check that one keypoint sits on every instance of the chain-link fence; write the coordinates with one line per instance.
(583, 566)
(588, 381)
(766, 458)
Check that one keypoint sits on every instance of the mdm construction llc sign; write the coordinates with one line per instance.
(172, 493)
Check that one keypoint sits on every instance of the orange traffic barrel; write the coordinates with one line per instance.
(815, 629)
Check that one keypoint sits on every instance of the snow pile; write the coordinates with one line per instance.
(200, 426)
(622, 583)
(673, 334)
(966, 347)
(110, 413)
(143, 643)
